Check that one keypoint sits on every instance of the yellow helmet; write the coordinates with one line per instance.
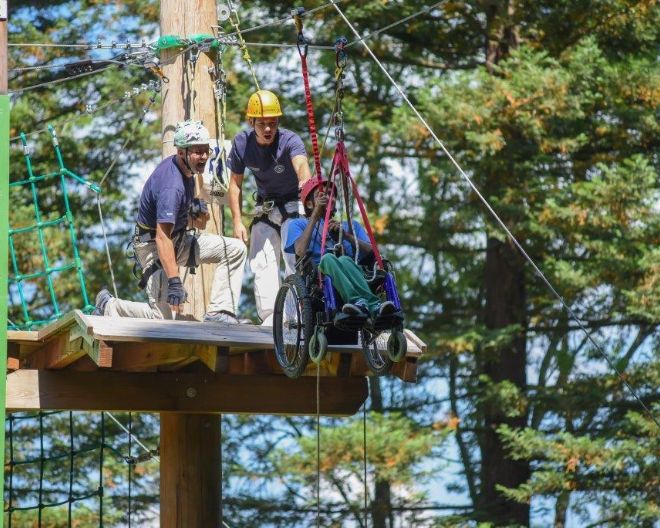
(263, 104)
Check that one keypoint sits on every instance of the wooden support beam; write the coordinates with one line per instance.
(140, 356)
(179, 392)
(189, 470)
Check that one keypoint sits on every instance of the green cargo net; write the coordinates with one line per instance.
(24, 282)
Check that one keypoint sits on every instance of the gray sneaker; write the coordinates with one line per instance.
(221, 316)
(356, 308)
(386, 308)
(101, 301)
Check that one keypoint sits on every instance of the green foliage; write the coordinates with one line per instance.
(551, 108)
(618, 473)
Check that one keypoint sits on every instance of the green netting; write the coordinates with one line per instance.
(21, 280)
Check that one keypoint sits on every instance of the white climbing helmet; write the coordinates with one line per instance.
(189, 133)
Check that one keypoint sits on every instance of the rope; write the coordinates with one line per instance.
(101, 461)
(145, 110)
(501, 223)
(220, 98)
(246, 54)
(302, 51)
(130, 465)
(318, 444)
(364, 451)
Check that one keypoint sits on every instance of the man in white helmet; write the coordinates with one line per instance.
(163, 242)
(278, 160)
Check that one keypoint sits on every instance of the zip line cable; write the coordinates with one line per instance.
(113, 63)
(57, 81)
(324, 47)
(131, 435)
(88, 46)
(394, 24)
(279, 21)
(501, 223)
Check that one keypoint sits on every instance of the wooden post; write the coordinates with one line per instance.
(189, 444)
(4, 216)
(189, 95)
(189, 470)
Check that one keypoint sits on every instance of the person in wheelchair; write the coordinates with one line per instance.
(304, 238)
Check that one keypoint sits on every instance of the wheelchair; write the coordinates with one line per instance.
(307, 318)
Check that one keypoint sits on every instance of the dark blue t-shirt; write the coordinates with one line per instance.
(298, 225)
(166, 197)
(271, 165)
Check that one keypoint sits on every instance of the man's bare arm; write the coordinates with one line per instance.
(235, 201)
(166, 252)
(301, 166)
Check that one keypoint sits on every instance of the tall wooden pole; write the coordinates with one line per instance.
(189, 95)
(4, 217)
(190, 476)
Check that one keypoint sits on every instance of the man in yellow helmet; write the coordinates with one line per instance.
(278, 160)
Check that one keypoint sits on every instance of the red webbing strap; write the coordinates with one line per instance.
(331, 202)
(340, 151)
(310, 113)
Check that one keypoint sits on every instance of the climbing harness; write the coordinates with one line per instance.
(267, 204)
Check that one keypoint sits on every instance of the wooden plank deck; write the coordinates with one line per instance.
(60, 363)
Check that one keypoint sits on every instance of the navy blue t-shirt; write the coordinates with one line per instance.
(271, 165)
(166, 197)
(298, 225)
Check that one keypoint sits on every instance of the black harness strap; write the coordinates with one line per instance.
(279, 202)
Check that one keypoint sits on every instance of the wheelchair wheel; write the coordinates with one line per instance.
(397, 346)
(318, 346)
(374, 348)
(293, 325)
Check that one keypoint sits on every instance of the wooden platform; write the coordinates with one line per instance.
(100, 363)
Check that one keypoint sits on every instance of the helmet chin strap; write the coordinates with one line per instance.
(185, 162)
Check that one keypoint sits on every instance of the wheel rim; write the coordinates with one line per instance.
(375, 351)
(292, 326)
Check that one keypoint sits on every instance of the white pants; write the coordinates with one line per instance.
(266, 250)
(228, 253)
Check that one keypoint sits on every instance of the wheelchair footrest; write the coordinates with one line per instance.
(387, 322)
(350, 322)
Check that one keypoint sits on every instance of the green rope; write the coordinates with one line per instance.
(22, 280)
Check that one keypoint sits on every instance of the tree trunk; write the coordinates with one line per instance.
(561, 509)
(505, 306)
